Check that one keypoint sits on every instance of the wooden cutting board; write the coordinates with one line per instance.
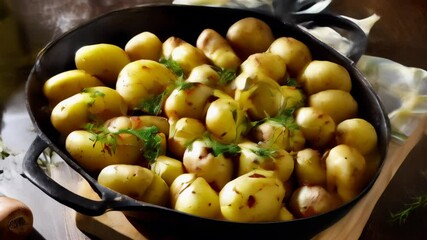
(115, 226)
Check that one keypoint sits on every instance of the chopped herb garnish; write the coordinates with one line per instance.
(264, 152)
(292, 82)
(148, 135)
(220, 148)
(154, 105)
(93, 94)
(226, 76)
(173, 66)
(285, 118)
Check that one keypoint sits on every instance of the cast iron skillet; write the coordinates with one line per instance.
(185, 22)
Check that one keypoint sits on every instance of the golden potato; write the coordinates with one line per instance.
(136, 182)
(253, 197)
(317, 126)
(258, 156)
(141, 80)
(217, 49)
(345, 172)
(279, 134)
(307, 201)
(270, 64)
(94, 156)
(95, 104)
(183, 132)
(357, 133)
(70, 114)
(294, 52)
(258, 95)
(145, 45)
(226, 121)
(310, 168)
(185, 54)
(205, 74)
(248, 36)
(324, 75)
(195, 196)
(169, 45)
(338, 104)
(188, 102)
(102, 60)
(68, 83)
(167, 168)
(199, 159)
(294, 97)
(157, 192)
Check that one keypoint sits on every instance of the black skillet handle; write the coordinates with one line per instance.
(33, 172)
(342, 25)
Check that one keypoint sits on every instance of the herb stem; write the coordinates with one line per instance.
(403, 215)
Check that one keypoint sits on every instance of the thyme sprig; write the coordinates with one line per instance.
(402, 215)
(148, 135)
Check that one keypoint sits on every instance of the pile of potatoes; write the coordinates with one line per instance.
(244, 127)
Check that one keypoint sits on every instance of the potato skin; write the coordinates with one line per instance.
(141, 80)
(95, 104)
(217, 49)
(338, 104)
(189, 102)
(310, 167)
(253, 197)
(183, 132)
(248, 36)
(294, 52)
(357, 133)
(102, 60)
(145, 45)
(270, 64)
(324, 75)
(94, 157)
(135, 181)
(317, 126)
(307, 201)
(68, 83)
(184, 53)
(167, 168)
(345, 171)
(195, 196)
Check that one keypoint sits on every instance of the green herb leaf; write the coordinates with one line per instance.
(264, 152)
(224, 149)
(153, 105)
(173, 66)
(292, 82)
(151, 140)
(93, 94)
(148, 135)
(286, 118)
(226, 76)
(4, 153)
(402, 216)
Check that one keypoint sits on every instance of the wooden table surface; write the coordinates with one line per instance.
(399, 35)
